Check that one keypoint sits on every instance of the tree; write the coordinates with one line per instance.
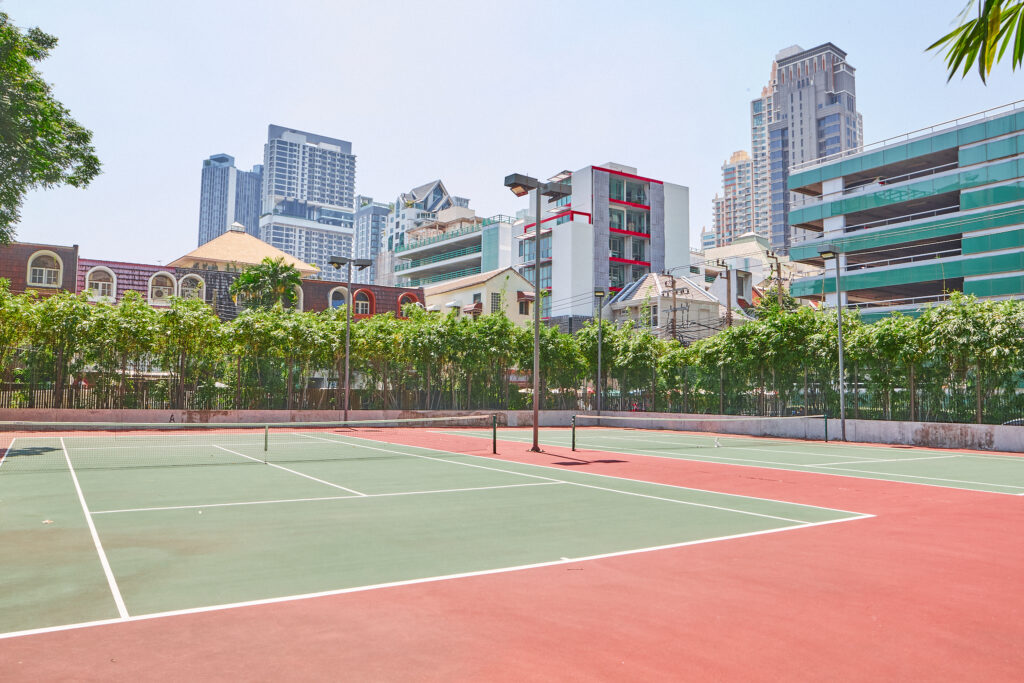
(271, 282)
(57, 329)
(41, 146)
(191, 340)
(985, 38)
(769, 303)
(14, 322)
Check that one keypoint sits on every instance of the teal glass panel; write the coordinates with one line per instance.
(944, 141)
(1000, 126)
(973, 133)
(968, 156)
(898, 153)
(1001, 148)
(920, 147)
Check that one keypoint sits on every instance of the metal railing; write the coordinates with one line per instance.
(898, 260)
(441, 277)
(452, 234)
(811, 235)
(893, 303)
(907, 137)
(475, 249)
(873, 185)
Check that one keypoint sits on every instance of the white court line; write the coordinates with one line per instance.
(259, 442)
(573, 483)
(854, 462)
(111, 581)
(310, 500)
(412, 582)
(322, 481)
(8, 450)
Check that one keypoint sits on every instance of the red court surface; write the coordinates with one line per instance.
(928, 589)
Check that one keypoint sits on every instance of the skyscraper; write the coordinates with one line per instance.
(732, 211)
(228, 195)
(308, 196)
(371, 221)
(813, 115)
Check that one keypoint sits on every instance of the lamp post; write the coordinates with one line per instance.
(521, 186)
(360, 263)
(599, 295)
(828, 253)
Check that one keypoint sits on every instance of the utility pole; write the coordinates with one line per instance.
(778, 276)
(674, 335)
(728, 292)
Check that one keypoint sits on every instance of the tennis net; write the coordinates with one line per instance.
(50, 446)
(666, 433)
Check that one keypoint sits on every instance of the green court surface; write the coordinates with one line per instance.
(98, 528)
(964, 470)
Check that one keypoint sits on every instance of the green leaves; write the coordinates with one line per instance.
(41, 146)
(271, 283)
(984, 40)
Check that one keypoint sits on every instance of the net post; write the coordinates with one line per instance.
(266, 440)
(573, 422)
(494, 433)
(826, 427)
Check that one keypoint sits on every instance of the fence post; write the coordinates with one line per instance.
(494, 434)
(573, 423)
(266, 440)
(826, 427)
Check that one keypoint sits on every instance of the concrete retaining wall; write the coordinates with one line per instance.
(932, 434)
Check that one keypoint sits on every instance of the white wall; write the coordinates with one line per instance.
(572, 270)
(677, 225)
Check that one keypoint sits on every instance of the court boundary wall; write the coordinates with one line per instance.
(1009, 438)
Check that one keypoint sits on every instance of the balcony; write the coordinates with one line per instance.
(442, 277)
(436, 258)
(453, 234)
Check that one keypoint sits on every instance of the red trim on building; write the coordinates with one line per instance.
(635, 206)
(627, 175)
(629, 261)
(629, 232)
(615, 289)
(571, 215)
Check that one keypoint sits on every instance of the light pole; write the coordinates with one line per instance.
(599, 295)
(829, 252)
(521, 186)
(360, 263)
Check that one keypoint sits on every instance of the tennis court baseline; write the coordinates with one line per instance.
(119, 532)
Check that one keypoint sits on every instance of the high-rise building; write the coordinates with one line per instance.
(761, 114)
(917, 217)
(413, 209)
(228, 195)
(814, 115)
(371, 221)
(707, 238)
(308, 196)
(733, 210)
(615, 228)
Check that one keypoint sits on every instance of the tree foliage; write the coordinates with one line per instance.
(983, 39)
(41, 146)
(273, 282)
(961, 361)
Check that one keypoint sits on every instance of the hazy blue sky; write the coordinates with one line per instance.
(466, 91)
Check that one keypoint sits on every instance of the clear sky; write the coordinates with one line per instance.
(466, 91)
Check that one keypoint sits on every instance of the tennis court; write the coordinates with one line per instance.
(142, 522)
(696, 440)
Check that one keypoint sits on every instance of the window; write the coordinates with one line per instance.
(161, 288)
(616, 219)
(192, 287)
(524, 308)
(477, 298)
(654, 316)
(362, 303)
(616, 246)
(45, 269)
(99, 284)
(405, 300)
(495, 302)
(638, 250)
(337, 297)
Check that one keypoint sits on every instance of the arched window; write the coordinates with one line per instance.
(100, 284)
(405, 300)
(45, 269)
(161, 289)
(363, 303)
(192, 287)
(337, 297)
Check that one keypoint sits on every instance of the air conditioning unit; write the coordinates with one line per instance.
(161, 293)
